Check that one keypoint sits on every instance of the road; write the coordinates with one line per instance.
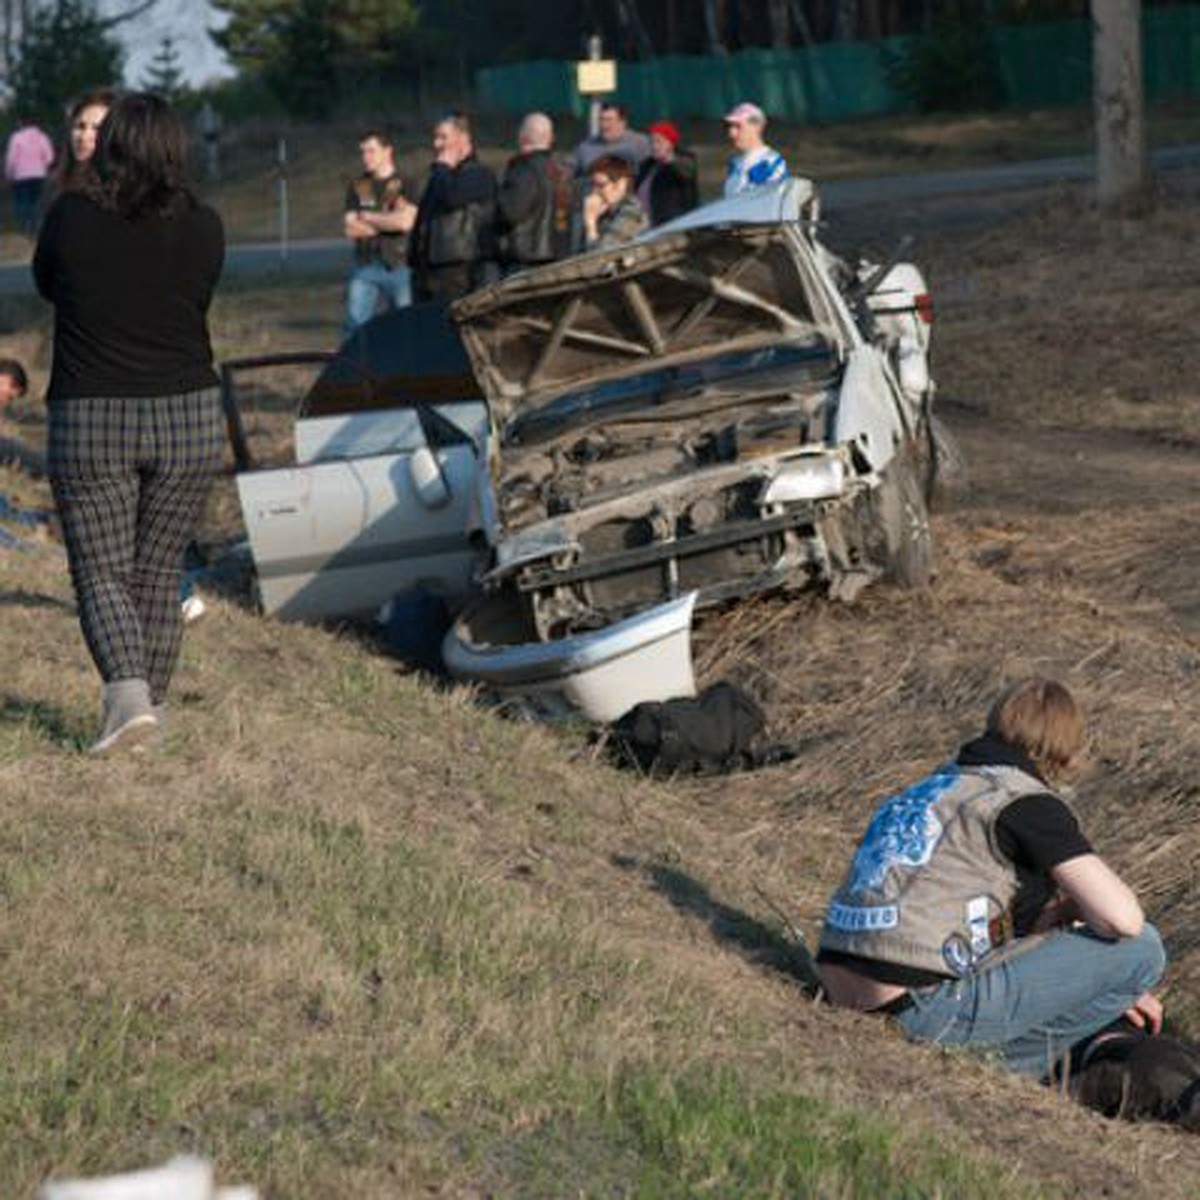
(847, 204)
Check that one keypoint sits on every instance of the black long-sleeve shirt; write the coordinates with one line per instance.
(130, 298)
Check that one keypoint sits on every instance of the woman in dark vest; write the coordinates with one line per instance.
(130, 260)
(976, 912)
(666, 181)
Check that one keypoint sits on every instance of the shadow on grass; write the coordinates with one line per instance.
(23, 599)
(47, 720)
(756, 941)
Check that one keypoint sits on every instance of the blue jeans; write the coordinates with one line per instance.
(371, 283)
(1040, 998)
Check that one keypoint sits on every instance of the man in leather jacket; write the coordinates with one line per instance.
(452, 249)
(538, 200)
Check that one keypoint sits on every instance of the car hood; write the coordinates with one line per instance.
(637, 310)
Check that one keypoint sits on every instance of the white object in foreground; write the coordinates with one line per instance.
(600, 675)
(183, 1178)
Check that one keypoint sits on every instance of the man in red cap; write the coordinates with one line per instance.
(666, 181)
(754, 163)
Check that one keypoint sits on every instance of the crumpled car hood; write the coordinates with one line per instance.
(629, 312)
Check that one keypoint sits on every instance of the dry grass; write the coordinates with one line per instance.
(353, 935)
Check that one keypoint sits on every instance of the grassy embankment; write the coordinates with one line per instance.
(351, 935)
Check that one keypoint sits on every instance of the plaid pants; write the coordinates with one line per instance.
(130, 476)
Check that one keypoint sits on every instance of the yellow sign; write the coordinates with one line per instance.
(595, 77)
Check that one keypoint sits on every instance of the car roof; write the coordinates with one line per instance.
(770, 205)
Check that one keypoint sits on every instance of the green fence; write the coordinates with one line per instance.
(1040, 66)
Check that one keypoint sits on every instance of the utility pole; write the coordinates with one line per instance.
(281, 157)
(1122, 164)
(595, 52)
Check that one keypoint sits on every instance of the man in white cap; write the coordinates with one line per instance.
(755, 164)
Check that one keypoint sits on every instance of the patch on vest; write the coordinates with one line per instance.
(956, 954)
(977, 924)
(903, 832)
(853, 918)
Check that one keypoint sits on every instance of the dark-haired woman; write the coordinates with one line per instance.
(611, 213)
(130, 261)
(84, 119)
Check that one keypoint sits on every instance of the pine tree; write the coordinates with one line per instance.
(165, 75)
(65, 48)
(304, 49)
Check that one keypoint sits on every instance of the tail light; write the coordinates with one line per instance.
(923, 303)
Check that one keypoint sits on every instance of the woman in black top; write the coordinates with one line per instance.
(84, 119)
(666, 181)
(130, 262)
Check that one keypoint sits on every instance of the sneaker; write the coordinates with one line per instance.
(129, 720)
(193, 609)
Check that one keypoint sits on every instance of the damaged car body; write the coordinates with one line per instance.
(716, 410)
(699, 416)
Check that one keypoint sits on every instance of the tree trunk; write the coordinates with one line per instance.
(631, 20)
(800, 20)
(712, 27)
(777, 19)
(1122, 166)
(845, 20)
(9, 37)
(872, 20)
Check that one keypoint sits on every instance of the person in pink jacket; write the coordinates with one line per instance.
(27, 162)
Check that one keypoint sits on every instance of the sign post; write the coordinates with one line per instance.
(595, 77)
(282, 159)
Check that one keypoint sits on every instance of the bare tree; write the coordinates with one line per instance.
(714, 12)
(845, 20)
(1122, 165)
(629, 17)
(15, 14)
(128, 14)
(777, 20)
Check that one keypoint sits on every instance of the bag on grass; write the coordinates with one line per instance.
(713, 732)
(1131, 1074)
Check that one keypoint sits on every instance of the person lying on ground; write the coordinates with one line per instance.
(14, 383)
(975, 911)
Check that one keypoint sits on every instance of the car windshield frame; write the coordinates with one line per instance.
(565, 329)
(737, 376)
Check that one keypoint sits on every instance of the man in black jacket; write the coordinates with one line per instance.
(538, 200)
(452, 249)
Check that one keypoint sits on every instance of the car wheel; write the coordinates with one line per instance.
(947, 467)
(904, 522)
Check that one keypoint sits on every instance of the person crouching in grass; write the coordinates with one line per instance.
(975, 911)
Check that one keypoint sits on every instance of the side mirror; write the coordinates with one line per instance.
(428, 480)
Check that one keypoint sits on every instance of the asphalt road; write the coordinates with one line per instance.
(983, 194)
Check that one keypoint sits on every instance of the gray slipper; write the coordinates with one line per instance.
(129, 720)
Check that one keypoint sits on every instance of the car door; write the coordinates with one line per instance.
(381, 498)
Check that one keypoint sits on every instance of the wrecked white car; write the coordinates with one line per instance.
(718, 409)
(707, 413)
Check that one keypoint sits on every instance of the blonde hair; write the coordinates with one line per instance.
(1040, 717)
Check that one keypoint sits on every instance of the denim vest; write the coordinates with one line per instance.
(928, 887)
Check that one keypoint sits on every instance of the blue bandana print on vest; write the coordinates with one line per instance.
(902, 833)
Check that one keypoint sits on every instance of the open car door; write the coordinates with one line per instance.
(382, 496)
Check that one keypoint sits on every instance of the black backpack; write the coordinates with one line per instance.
(714, 732)
(1127, 1073)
